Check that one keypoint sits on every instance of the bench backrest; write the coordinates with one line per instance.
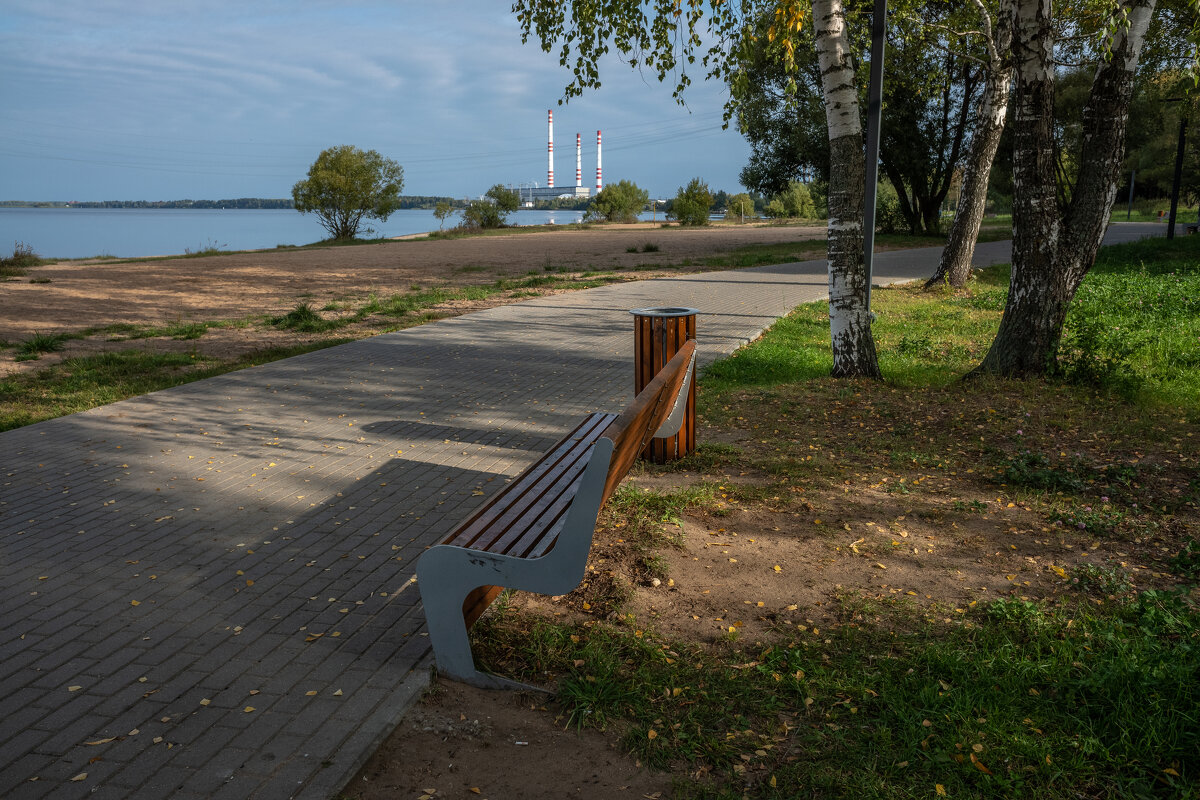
(633, 430)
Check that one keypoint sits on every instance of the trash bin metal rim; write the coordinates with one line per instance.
(664, 311)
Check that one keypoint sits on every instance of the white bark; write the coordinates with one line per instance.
(849, 319)
(837, 70)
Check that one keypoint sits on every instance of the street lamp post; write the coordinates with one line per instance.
(874, 117)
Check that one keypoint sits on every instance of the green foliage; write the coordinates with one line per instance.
(19, 262)
(888, 217)
(617, 202)
(442, 211)
(492, 210)
(793, 202)
(739, 207)
(1186, 563)
(346, 184)
(1104, 581)
(692, 203)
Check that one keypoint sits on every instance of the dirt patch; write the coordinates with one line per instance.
(463, 742)
(72, 296)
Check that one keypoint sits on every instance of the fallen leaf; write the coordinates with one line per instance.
(941, 790)
(205, 701)
(248, 709)
(75, 688)
(979, 765)
(80, 776)
(101, 741)
(652, 734)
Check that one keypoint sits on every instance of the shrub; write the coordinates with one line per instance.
(617, 202)
(491, 210)
(888, 218)
(692, 203)
(740, 207)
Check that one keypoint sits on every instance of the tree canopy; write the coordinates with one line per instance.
(491, 210)
(346, 185)
(618, 202)
(692, 203)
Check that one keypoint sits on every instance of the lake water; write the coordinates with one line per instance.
(133, 232)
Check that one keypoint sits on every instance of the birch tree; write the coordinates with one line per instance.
(1053, 246)
(954, 266)
(849, 319)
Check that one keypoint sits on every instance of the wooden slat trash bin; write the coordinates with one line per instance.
(658, 334)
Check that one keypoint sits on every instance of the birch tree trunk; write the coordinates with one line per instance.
(955, 264)
(1054, 249)
(849, 320)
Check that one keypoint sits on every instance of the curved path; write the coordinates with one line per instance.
(207, 591)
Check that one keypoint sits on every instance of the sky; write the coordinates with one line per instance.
(152, 100)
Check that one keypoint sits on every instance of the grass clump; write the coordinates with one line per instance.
(23, 257)
(305, 319)
(38, 343)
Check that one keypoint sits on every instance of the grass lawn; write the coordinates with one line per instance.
(915, 588)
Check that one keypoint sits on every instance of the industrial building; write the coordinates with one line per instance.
(530, 193)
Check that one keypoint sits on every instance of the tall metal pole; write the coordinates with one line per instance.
(1178, 174)
(874, 116)
(1132, 180)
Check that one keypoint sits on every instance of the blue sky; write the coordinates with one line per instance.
(145, 99)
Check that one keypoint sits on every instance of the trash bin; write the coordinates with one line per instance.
(658, 333)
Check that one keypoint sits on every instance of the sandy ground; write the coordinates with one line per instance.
(72, 296)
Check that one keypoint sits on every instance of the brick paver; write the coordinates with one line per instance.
(208, 591)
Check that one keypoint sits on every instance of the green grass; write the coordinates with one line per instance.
(39, 343)
(1134, 328)
(1019, 700)
(1135, 323)
(81, 383)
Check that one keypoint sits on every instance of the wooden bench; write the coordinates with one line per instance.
(535, 534)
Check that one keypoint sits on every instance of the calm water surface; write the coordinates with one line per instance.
(133, 232)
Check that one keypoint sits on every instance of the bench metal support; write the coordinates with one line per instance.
(447, 574)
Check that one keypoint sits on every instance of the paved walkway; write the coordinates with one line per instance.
(207, 591)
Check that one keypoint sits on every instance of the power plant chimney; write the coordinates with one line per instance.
(550, 151)
(599, 182)
(578, 161)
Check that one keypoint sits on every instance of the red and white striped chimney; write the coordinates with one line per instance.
(599, 182)
(578, 161)
(550, 150)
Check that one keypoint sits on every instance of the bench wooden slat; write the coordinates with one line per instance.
(490, 523)
(529, 528)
